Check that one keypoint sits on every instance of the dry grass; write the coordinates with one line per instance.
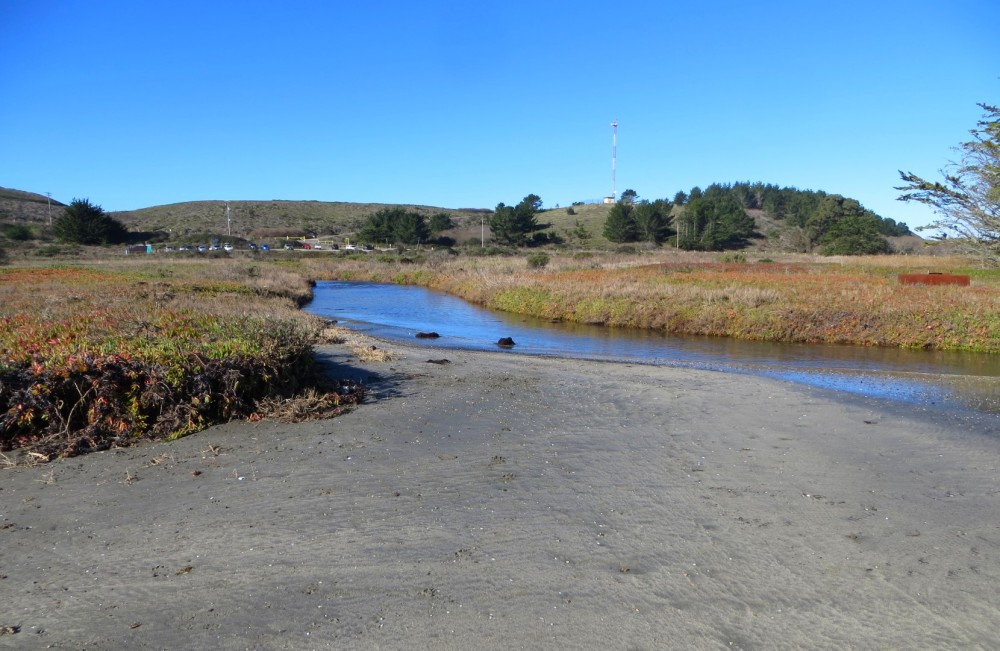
(372, 353)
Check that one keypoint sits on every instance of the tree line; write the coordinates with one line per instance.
(717, 218)
(397, 225)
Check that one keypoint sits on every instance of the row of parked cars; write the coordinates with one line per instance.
(288, 246)
(202, 248)
(333, 247)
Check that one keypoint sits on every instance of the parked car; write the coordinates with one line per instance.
(227, 246)
(184, 247)
(214, 247)
(350, 247)
(251, 246)
(289, 246)
(202, 248)
(265, 247)
(317, 246)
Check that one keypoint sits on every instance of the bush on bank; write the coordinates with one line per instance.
(94, 359)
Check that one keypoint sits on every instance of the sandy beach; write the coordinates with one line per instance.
(502, 502)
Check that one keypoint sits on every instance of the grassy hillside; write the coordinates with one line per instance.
(590, 216)
(18, 205)
(320, 217)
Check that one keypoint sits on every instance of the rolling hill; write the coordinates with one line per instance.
(249, 217)
(580, 225)
(18, 205)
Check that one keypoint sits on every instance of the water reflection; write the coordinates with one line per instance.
(943, 378)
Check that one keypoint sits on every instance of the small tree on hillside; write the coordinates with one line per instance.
(652, 220)
(620, 224)
(514, 225)
(85, 223)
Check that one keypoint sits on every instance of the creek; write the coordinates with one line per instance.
(955, 382)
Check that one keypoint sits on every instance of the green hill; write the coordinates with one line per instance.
(251, 218)
(21, 206)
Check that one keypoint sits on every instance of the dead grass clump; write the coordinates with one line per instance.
(372, 354)
(313, 404)
(332, 334)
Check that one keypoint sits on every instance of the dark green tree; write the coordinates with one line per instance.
(18, 232)
(394, 224)
(378, 227)
(713, 222)
(620, 224)
(629, 197)
(680, 198)
(967, 201)
(514, 225)
(854, 234)
(652, 221)
(832, 209)
(440, 222)
(82, 222)
(410, 228)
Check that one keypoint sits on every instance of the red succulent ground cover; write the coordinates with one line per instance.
(92, 360)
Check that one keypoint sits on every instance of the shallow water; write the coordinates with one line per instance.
(931, 379)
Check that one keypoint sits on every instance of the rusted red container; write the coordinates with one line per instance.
(934, 279)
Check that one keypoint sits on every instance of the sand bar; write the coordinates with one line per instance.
(502, 501)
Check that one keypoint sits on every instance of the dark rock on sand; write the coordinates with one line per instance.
(505, 342)
(427, 335)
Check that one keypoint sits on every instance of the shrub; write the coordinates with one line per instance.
(53, 250)
(538, 260)
(18, 232)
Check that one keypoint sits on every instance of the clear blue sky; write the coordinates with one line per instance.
(467, 104)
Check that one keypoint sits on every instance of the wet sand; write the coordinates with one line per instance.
(502, 501)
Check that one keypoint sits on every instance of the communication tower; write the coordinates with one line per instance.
(614, 159)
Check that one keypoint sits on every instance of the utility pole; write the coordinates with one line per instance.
(614, 159)
(49, 195)
(229, 221)
(482, 228)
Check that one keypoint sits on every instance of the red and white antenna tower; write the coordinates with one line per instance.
(614, 158)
